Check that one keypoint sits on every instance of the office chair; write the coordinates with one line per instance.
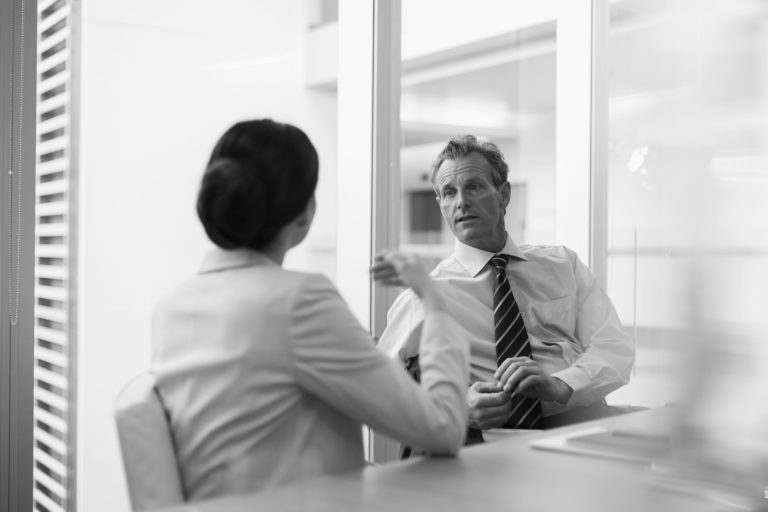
(146, 443)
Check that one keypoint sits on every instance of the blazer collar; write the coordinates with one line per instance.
(474, 259)
(220, 259)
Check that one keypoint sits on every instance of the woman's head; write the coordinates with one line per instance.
(261, 176)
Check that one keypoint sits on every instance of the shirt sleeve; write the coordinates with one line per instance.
(608, 352)
(400, 339)
(336, 361)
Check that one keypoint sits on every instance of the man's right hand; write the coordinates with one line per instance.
(488, 405)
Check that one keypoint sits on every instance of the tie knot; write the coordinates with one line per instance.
(499, 262)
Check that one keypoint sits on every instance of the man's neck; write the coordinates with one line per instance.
(493, 246)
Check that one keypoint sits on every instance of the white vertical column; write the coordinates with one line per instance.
(600, 133)
(386, 172)
(573, 120)
(355, 135)
(387, 191)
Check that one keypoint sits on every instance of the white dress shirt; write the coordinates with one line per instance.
(574, 331)
(268, 377)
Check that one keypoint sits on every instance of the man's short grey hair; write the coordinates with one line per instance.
(459, 147)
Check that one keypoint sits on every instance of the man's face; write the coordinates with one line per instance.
(470, 203)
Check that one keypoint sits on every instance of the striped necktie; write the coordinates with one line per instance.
(512, 341)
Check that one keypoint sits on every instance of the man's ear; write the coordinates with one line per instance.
(506, 191)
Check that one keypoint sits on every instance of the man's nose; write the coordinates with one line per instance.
(462, 201)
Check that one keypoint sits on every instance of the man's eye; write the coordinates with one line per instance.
(474, 187)
(448, 193)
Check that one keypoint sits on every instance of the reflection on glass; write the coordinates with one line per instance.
(688, 229)
(687, 167)
(492, 78)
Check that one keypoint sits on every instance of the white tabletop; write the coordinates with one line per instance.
(505, 475)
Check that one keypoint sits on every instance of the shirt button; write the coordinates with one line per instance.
(523, 315)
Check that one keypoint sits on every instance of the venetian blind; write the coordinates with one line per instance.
(54, 349)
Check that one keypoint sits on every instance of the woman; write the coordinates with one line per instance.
(266, 374)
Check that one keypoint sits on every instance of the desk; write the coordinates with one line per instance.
(492, 477)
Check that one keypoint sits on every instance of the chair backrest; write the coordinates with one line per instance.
(148, 452)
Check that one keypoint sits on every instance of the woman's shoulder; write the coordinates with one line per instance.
(302, 280)
(312, 287)
(295, 286)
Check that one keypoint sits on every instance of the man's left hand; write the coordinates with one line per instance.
(525, 376)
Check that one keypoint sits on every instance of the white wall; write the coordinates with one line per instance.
(160, 82)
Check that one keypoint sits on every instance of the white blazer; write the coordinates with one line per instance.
(267, 377)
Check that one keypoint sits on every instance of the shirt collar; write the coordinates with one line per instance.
(220, 259)
(474, 259)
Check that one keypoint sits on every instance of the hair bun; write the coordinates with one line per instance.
(261, 175)
(235, 201)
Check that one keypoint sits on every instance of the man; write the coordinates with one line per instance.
(546, 343)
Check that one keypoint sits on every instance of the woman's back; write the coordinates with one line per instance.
(225, 358)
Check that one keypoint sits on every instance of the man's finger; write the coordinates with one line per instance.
(486, 387)
(504, 366)
(489, 400)
(520, 373)
(520, 363)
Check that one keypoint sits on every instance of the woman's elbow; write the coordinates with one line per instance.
(449, 437)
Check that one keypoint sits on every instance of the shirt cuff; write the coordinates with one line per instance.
(580, 382)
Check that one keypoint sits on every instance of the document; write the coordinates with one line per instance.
(626, 444)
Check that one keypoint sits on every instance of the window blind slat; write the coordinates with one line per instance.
(50, 334)
(44, 500)
(51, 378)
(55, 314)
(51, 209)
(51, 230)
(47, 441)
(52, 145)
(56, 401)
(51, 293)
(52, 123)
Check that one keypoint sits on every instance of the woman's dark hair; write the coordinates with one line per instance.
(260, 177)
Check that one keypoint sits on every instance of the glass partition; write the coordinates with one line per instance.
(687, 219)
(464, 72)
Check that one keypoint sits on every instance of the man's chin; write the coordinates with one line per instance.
(468, 236)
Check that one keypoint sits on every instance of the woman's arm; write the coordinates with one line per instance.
(336, 360)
